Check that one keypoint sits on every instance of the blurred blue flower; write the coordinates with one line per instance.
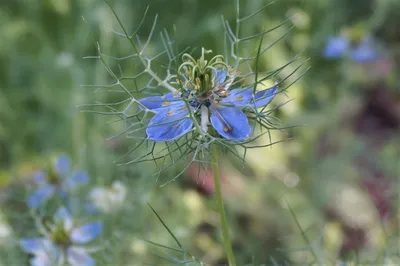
(172, 120)
(55, 181)
(336, 47)
(364, 51)
(63, 242)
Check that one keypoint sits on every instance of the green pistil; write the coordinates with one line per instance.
(60, 237)
(204, 83)
(356, 33)
(200, 73)
(52, 177)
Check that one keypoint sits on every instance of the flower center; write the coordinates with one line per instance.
(356, 34)
(52, 177)
(59, 236)
(199, 77)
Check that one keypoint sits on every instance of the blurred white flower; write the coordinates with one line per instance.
(5, 232)
(109, 199)
(65, 59)
(291, 179)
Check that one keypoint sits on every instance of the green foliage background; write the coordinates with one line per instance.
(349, 133)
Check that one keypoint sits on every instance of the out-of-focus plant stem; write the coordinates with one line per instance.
(221, 209)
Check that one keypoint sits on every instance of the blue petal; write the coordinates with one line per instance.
(174, 97)
(47, 258)
(220, 77)
(41, 260)
(263, 98)
(78, 178)
(44, 251)
(40, 177)
(40, 196)
(35, 245)
(152, 102)
(169, 124)
(63, 216)
(62, 165)
(336, 47)
(230, 122)
(156, 103)
(239, 97)
(86, 232)
(79, 257)
(365, 52)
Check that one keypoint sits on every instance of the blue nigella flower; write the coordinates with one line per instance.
(172, 120)
(363, 51)
(63, 242)
(207, 93)
(55, 181)
(336, 47)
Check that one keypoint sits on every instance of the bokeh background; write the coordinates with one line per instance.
(338, 170)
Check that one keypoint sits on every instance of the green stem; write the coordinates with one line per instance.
(220, 203)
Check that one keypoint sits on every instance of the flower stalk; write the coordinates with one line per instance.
(221, 208)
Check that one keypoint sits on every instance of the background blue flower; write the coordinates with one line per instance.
(336, 46)
(56, 181)
(63, 243)
(364, 51)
